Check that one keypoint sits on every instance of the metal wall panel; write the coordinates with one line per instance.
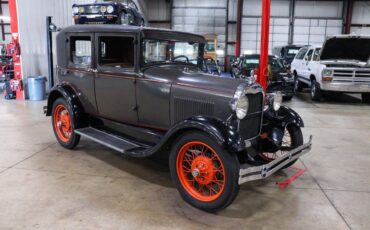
(361, 13)
(201, 17)
(319, 9)
(314, 31)
(279, 8)
(32, 30)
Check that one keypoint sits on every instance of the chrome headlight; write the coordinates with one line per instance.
(81, 9)
(327, 72)
(103, 9)
(110, 9)
(240, 103)
(75, 10)
(278, 99)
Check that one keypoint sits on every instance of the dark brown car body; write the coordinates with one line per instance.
(210, 125)
(147, 103)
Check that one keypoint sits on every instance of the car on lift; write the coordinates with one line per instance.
(108, 12)
(341, 65)
(135, 90)
(279, 78)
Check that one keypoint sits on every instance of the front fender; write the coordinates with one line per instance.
(225, 135)
(284, 117)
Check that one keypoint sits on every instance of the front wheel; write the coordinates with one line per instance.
(297, 85)
(293, 138)
(63, 124)
(366, 98)
(316, 93)
(203, 172)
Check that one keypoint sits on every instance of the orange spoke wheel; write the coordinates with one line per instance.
(62, 123)
(200, 171)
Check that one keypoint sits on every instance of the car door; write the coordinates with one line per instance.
(306, 70)
(297, 63)
(79, 72)
(116, 76)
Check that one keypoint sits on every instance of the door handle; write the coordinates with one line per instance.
(64, 72)
(92, 70)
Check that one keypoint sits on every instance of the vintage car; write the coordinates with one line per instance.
(108, 12)
(279, 79)
(286, 53)
(341, 65)
(135, 90)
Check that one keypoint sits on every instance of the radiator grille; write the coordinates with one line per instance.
(351, 75)
(250, 126)
(185, 108)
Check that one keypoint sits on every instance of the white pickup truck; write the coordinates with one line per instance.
(341, 65)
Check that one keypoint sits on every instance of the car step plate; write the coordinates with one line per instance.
(111, 141)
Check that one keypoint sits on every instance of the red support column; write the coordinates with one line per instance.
(238, 27)
(14, 46)
(265, 30)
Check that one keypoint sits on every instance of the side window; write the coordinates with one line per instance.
(80, 51)
(116, 52)
(316, 55)
(301, 53)
(308, 57)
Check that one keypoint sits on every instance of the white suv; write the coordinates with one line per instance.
(341, 65)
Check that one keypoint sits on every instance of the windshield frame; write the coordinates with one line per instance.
(201, 47)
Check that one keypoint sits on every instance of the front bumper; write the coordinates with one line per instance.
(350, 87)
(95, 19)
(250, 173)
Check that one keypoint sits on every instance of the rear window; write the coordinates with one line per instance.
(80, 51)
(116, 52)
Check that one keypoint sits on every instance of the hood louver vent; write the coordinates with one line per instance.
(185, 108)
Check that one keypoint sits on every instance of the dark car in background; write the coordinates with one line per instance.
(108, 12)
(211, 66)
(6, 68)
(279, 78)
(286, 53)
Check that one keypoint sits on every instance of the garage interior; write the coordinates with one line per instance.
(45, 186)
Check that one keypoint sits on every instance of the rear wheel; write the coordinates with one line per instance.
(366, 98)
(204, 173)
(63, 124)
(315, 92)
(292, 139)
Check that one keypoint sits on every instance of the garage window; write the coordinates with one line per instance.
(80, 51)
(116, 52)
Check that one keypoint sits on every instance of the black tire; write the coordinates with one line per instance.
(315, 91)
(287, 98)
(74, 138)
(365, 98)
(298, 87)
(229, 182)
(296, 136)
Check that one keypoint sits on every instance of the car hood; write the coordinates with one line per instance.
(346, 48)
(192, 77)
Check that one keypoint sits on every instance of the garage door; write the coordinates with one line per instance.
(314, 31)
(251, 33)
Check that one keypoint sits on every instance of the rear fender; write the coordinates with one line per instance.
(66, 91)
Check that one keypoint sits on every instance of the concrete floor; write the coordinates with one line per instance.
(43, 186)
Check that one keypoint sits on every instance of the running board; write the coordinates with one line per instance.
(107, 139)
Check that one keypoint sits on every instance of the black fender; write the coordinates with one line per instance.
(283, 117)
(225, 135)
(66, 91)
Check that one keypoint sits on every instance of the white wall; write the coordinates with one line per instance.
(361, 15)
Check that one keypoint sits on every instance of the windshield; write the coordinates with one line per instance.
(253, 62)
(293, 51)
(210, 46)
(166, 51)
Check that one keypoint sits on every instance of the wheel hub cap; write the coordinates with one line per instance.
(202, 170)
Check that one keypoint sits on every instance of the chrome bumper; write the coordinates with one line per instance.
(250, 173)
(350, 87)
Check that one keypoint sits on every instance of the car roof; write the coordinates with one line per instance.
(348, 36)
(146, 31)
